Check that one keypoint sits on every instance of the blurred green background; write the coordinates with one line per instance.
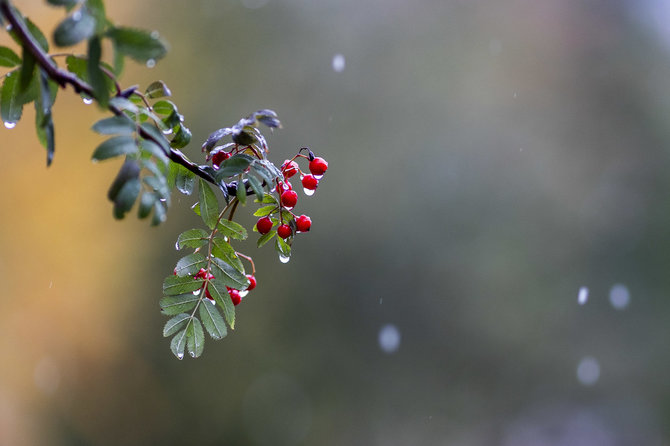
(488, 160)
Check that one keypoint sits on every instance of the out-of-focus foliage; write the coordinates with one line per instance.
(492, 159)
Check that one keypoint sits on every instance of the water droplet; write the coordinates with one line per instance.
(163, 200)
(10, 124)
(192, 354)
(389, 338)
(243, 293)
(619, 296)
(151, 63)
(154, 34)
(338, 63)
(309, 192)
(176, 246)
(167, 131)
(180, 356)
(283, 258)
(288, 208)
(8, 27)
(87, 101)
(583, 295)
(196, 292)
(588, 371)
(76, 15)
(318, 177)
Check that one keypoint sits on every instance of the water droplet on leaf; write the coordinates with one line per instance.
(318, 177)
(76, 15)
(87, 101)
(167, 131)
(10, 124)
(309, 192)
(283, 258)
(180, 356)
(243, 293)
(151, 63)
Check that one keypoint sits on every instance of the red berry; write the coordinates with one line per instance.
(264, 225)
(289, 168)
(289, 198)
(309, 182)
(208, 296)
(303, 223)
(203, 274)
(219, 157)
(284, 231)
(235, 296)
(318, 166)
(252, 282)
(283, 186)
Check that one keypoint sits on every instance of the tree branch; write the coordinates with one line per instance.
(63, 77)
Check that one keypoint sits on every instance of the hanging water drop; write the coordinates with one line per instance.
(87, 101)
(243, 293)
(283, 258)
(318, 177)
(167, 131)
(151, 63)
(309, 192)
(180, 356)
(583, 295)
(192, 354)
(154, 34)
(8, 27)
(10, 125)
(176, 245)
(76, 16)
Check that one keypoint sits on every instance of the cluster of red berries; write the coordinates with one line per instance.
(288, 198)
(235, 295)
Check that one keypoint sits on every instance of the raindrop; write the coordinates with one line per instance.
(8, 27)
(154, 34)
(309, 192)
(196, 292)
(163, 200)
(87, 101)
(619, 296)
(167, 131)
(318, 177)
(338, 63)
(389, 338)
(76, 15)
(288, 208)
(176, 245)
(180, 356)
(283, 258)
(243, 293)
(10, 124)
(151, 63)
(192, 354)
(588, 371)
(583, 295)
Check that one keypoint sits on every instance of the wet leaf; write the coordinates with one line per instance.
(224, 251)
(116, 125)
(178, 304)
(234, 165)
(129, 170)
(218, 290)
(119, 145)
(190, 264)
(195, 338)
(178, 344)
(175, 324)
(209, 208)
(174, 285)
(96, 77)
(138, 44)
(126, 197)
(193, 238)
(266, 238)
(146, 203)
(157, 89)
(266, 210)
(212, 320)
(232, 229)
(80, 25)
(228, 274)
(8, 58)
(185, 180)
(181, 138)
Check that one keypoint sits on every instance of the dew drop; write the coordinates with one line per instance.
(583, 295)
(176, 246)
(154, 34)
(10, 125)
(338, 63)
(196, 292)
(318, 177)
(283, 258)
(243, 293)
(8, 27)
(76, 15)
(87, 101)
(151, 63)
(180, 356)
(167, 131)
(309, 192)
(288, 208)
(192, 354)
(163, 200)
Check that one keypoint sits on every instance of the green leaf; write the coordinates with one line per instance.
(264, 172)
(155, 150)
(234, 165)
(160, 213)
(269, 199)
(174, 285)
(220, 294)
(129, 170)
(282, 247)
(193, 238)
(157, 136)
(212, 320)
(266, 210)
(266, 238)
(178, 304)
(11, 106)
(62, 2)
(232, 229)
(37, 34)
(126, 197)
(255, 185)
(181, 138)
(119, 145)
(191, 264)
(174, 324)
(240, 191)
(97, 9)
(146, 203)
(164, 107)
(96, 77)
(195, 338)
(80, 25)
(119, 62)
(43, 120)
(209, 208)
(8, 58)
(138, 44)
(224, 251)
(157, 89)
(228, 274)
(178, 344)
(185, 180)
(116, 125)
(27, 72)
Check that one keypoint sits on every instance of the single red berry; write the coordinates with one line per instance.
(252, 282)
(289, 168)
(175, 271)
(264, 225)
(284, 231)
(318, 166)
(219, 157)
(235, 296)
(309, 182)
(289, 198)
(303, 223)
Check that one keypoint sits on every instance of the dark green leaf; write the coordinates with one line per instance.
(27, 72)
(240, 191)
(255, 185)
(96, 77)
(43, 120)
(62, 2)
(224, 251)
(191, 264)
(160, 213)
(209, 208)
(185, 180)
(212, 320)
(175, 324)
(123, 104)
(181, 138)
(8, 58)
(265, 210)
(80, 25)
(146, 202)
(193, 238)
(215, 137)
(282, 247)
(119, 62)
(264, 172)
(220, 294)
(234, 165)
(97, 9)
(266, 238)
(195, 338)
(164, 107)
(243, 137)
(228, 274)
(11, 106)
(157, 136)
(138, 44)
(232, 229)
(116, 125)
(178, 344)
(157, 89)
(129, 170)
(155, 150)
(126, 197)
(178, 304)
(119, 145)
(174, 285)
(38, 35)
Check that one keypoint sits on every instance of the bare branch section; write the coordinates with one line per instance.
(63, 78)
